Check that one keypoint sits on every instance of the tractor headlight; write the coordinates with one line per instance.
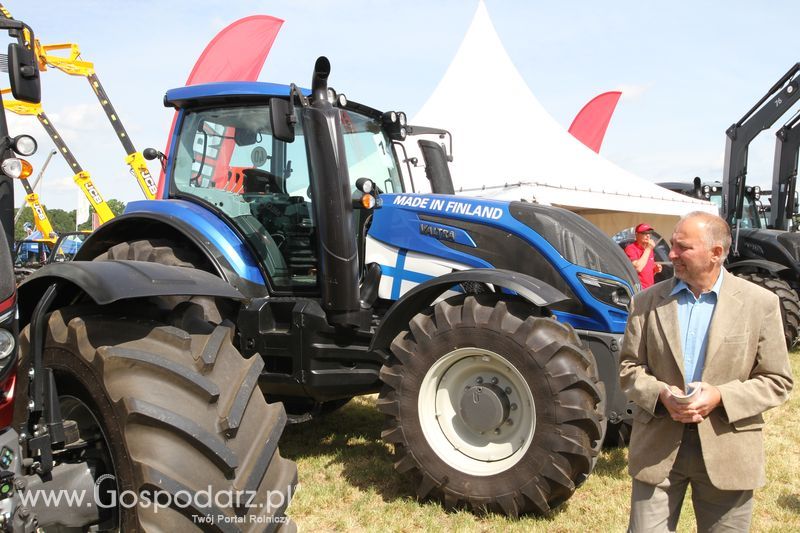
(16, 168)
(365, 185)
(7, 345)
(607, 291)
(390, 117)
(394, 124)
(24, 145)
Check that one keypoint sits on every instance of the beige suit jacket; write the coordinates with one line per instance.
(746, 359)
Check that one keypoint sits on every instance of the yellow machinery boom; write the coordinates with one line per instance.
(40, 219)
(18, 215)
(81, 177)
(74, 66)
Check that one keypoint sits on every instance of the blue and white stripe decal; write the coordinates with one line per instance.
(403, 269)
(399, 274)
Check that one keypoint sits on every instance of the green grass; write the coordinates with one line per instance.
(348, 483)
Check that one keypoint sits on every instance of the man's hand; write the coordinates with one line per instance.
(680, 412)
(658, 268)
(708, 398)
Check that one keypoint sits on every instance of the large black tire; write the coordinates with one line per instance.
(160, 251)
(176, 412)
(165, 252)
(444, 366)
(790, 304)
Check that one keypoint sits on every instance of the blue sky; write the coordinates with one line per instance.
(687, 70)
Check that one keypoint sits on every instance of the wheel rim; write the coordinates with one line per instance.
(477, 411)
(73, 408)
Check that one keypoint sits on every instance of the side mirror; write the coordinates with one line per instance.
(151, 153)
(24, 74)
(282, 119)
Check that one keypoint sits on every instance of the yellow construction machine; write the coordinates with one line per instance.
(81, 177)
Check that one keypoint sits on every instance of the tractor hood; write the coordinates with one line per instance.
(416, 237)
(560, 236)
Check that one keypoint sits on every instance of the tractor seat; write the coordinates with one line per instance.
(261, 182)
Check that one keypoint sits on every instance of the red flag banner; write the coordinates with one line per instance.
(591, 122)
(237, 53)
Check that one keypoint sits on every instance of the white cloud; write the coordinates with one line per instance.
(23, 124)
(63, 183)
(74, 121)
(632, 92)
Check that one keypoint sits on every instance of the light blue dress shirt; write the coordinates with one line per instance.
(694, 317)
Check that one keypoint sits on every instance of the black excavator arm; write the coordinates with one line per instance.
(784, 174)
(778, 100)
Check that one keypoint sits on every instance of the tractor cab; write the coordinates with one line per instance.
(752, 205)
(228, 158)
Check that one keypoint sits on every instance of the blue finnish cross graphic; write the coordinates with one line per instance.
(399, 274)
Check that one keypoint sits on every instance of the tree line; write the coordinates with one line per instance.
(63, 221)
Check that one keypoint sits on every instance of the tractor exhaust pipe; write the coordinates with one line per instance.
(331, 196)
(319, 79)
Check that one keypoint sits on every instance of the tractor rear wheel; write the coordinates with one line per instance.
(789, 300)
(490, 408)
(178, 417)
(166, 252)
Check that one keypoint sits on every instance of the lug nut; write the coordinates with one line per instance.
(507, 390)
(479, 380)
(494, 381)
(513, 407)
(497, 431)
(509, 422)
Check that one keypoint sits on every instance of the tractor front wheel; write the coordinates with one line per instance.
(491, 408)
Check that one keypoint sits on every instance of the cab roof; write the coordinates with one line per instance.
(230, 91)
(236, 92)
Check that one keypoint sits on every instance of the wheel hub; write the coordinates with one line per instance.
(477, 411)
(484, 407)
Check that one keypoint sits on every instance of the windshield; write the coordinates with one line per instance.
(229, 158)
(750, 212)
(68, 247)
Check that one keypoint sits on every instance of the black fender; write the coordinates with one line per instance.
(535, 291)
(149, 225)
(106, 282)
(759, 265)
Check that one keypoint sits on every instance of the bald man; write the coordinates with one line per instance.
(720, 338)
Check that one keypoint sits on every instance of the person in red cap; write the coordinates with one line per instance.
(640, 252)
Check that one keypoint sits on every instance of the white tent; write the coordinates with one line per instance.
(512, 149)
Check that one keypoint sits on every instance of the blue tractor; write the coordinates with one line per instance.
(490, 330)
